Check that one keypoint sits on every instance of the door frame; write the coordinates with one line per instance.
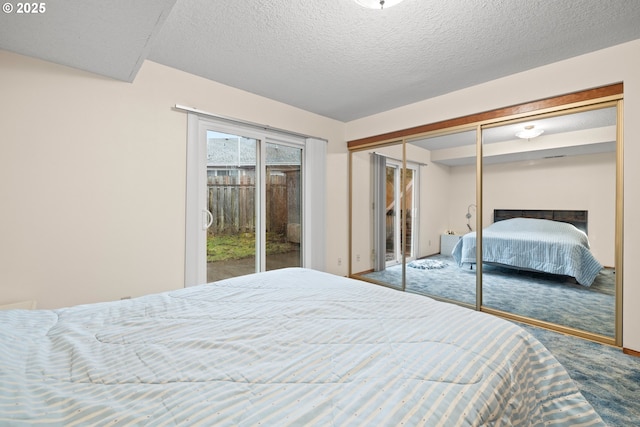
(313, 170)
(400, 192)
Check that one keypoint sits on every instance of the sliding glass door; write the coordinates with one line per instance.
(397, 244)
(245, 205)
(392, 215)
(385, 236)
(253, 214)
(231, 209)
(283, 208)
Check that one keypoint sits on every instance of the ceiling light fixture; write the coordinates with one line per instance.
(377, 4)
(529, 132)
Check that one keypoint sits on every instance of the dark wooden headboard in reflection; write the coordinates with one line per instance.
(577, 218)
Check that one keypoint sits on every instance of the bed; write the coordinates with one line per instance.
(285, 347)
(549, 243)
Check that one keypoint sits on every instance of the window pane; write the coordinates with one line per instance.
(231, 198)
(283, 206)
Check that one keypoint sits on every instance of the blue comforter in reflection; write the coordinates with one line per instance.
(533, 244)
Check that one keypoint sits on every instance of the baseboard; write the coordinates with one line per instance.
(361, 273)
(631, 352)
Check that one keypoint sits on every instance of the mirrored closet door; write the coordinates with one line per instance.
(382, 205)
(533, 190)
(549, 210)
(447, 211)
(403, 205)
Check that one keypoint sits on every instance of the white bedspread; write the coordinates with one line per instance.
(287, 347)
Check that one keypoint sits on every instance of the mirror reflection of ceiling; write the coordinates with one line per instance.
(587, 132)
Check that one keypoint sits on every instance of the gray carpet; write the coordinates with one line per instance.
(606, 377)
(551, 298)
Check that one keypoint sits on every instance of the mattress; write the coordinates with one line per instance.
(285, 347)
(533, 244)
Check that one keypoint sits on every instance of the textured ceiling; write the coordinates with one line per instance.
(111, 38)
(331, 57)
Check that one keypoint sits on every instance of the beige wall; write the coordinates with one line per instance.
(92, 178)
(582, 183)
(618, 64)
(92, 171)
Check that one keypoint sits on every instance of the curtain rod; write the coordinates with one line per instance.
(243, 122)
(400, 160)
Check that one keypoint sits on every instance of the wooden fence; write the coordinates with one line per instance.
(232, 203)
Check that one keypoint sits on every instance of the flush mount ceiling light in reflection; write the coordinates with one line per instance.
(529, 132)
(377, 4)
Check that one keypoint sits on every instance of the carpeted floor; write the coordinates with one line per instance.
(551, 298)
(606, 377)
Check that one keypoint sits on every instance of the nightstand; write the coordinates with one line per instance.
(447, 242)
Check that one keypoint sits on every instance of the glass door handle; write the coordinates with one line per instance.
(207, 219)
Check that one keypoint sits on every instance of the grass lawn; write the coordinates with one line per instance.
(243, 245)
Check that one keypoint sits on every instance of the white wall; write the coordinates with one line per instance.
(92, 178)
(463, 194)
(617, 64)
(581, 183)
(435, 193)
(92, 170)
